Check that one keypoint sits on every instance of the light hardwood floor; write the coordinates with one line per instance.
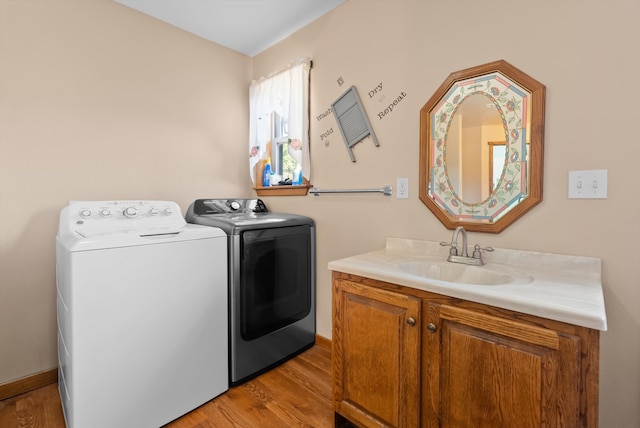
(294, 394)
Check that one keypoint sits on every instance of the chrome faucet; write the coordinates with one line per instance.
(462, 256)
(454, 242)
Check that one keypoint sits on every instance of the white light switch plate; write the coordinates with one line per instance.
(590, 184)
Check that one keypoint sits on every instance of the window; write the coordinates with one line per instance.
(279, 130)
(285, 153)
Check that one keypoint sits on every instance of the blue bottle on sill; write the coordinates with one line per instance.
(266, 175)
(297, 181)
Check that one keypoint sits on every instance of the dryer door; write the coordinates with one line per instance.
(275, 279)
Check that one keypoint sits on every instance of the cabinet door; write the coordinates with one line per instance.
(376, 337)
(481, 370)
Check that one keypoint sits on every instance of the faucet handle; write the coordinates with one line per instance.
(477, 251)
(453, 250)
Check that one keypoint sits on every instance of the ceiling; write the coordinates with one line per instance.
(246, 26)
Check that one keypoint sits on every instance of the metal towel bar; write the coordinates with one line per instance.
(386, 190)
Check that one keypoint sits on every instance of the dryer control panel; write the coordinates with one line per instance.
(229, 206)
(102, 217)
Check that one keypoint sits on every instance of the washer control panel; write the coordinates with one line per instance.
(121, 216)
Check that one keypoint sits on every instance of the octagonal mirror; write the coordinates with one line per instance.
(481, 147)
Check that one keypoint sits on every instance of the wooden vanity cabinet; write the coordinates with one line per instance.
(462, 364)
(376, 340)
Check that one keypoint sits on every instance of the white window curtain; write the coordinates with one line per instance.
(286, 93)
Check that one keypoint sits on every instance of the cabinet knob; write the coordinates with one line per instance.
(431, 327)
(411, 321)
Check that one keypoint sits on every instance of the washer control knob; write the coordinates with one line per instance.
(235, 205)
(154, 211)
(168, 211)
(85, 213)
(105, 213)
(130, 212)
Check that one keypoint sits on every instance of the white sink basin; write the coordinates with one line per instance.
(560, 287)
(464, 274)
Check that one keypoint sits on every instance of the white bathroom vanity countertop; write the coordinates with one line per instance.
(558, 287)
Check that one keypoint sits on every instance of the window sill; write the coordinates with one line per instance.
(283, 190)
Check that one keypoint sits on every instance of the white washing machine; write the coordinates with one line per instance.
(142, 313)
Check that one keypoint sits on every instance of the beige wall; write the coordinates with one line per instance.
(100, 102)
(587, 53)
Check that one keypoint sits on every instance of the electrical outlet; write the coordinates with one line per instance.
(402, 186)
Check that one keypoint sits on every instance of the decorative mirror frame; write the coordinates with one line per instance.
(501, 83)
